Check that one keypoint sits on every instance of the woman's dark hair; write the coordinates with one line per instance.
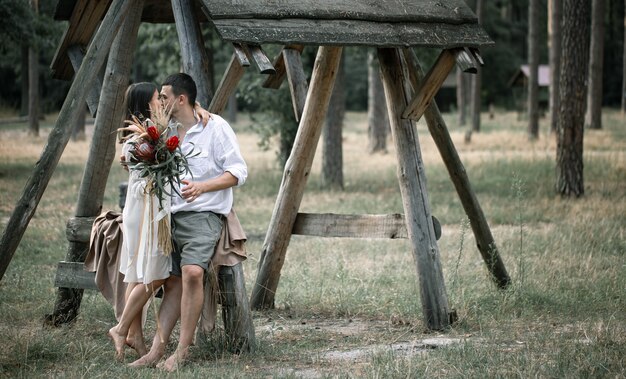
(137, 99)
(137, 103)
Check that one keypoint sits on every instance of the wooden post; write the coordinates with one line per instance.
(101, 152)
(414, 195)
(296, 172)
(192, 50)
(59, 136)
(480, 227)
(297, 80)
(76, 55)
(236, 314)
(227, 86)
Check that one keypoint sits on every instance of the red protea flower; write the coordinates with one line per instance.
(172, 143)
(144, 151)
(153, 133)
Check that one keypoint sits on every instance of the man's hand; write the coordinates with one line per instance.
(191, 190)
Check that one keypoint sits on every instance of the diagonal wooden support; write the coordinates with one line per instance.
(275, 80)
(76, 56)
(296, 173)
(240, 53)
(441, 136)
(414, 195)
(228, 85)
(101, 151)
(297, 80)
(257, 55)
(72, 108)
(430, 85)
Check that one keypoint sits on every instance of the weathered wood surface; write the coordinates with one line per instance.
(102, 150)
(240, 53)
(78, 229)
(257, 55)
(430, 85)
(275, 80)
(449, 11)
(83, 22)
(465, 61)
(439, 131)
(236, 314)
(297, 170)
(298, 85)
(195, 61)
(73, 275)
(355, 32)
(228, 85)
(76, 55)
(412, 180)
(58, 138)
(391, 226)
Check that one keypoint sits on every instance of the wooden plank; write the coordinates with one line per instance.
(195, 61)
(103, 147)
(76, 55)
(73, 107)
(240, 53)
(73, 275)
(430, 85)
(227, 85)
(297, 80)
(85, 19)
(465, 61)
(79, 229)
(257, 55)
(295, 175)
(415, 201)
(450, 11)
(275, 80)
(345, 33)
(439, 131)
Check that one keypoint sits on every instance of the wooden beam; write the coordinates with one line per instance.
(102, 149)
(240, 53)
(227, 86)
(392, 226)
(73, 275)
(465, 61)
(76, 55)
(238, 326)
(257, 55)
(439, 131)
(430, 85)
(78, 229)
(297, 170)
(193, 53)
(275, 80)
(412, 180)
(297, 80)
(73, 107)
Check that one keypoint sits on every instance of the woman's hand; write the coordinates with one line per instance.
(204, 115)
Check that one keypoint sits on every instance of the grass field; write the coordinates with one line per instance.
(351, 308)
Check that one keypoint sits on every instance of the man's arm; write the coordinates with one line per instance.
(192, 190)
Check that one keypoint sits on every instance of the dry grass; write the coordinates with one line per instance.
(351, 308)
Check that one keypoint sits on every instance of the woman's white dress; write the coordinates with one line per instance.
(142, 261)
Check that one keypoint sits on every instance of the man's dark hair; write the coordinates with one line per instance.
(182, 84)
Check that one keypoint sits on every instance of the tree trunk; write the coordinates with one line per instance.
(554, 49)
(593, 117)
(575, 56)
(624, 67)
(461, 97)
(332, 153)
(377, 121)
(533, 65)
(24, 80)
(33, 82)
(476, 82)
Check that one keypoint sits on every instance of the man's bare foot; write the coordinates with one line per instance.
(137, 344)
(148, 360)
(119, 342)
(175, 360)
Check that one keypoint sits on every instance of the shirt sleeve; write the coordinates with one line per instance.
(229, 154)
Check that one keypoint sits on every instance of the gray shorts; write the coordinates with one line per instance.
(195, 235)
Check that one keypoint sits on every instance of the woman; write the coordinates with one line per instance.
(144, 264)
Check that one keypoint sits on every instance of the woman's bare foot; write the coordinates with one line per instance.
(119, 342)
(148, 360)
(137, 344)
(175, 360)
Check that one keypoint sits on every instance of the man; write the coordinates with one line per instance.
(216, 166)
